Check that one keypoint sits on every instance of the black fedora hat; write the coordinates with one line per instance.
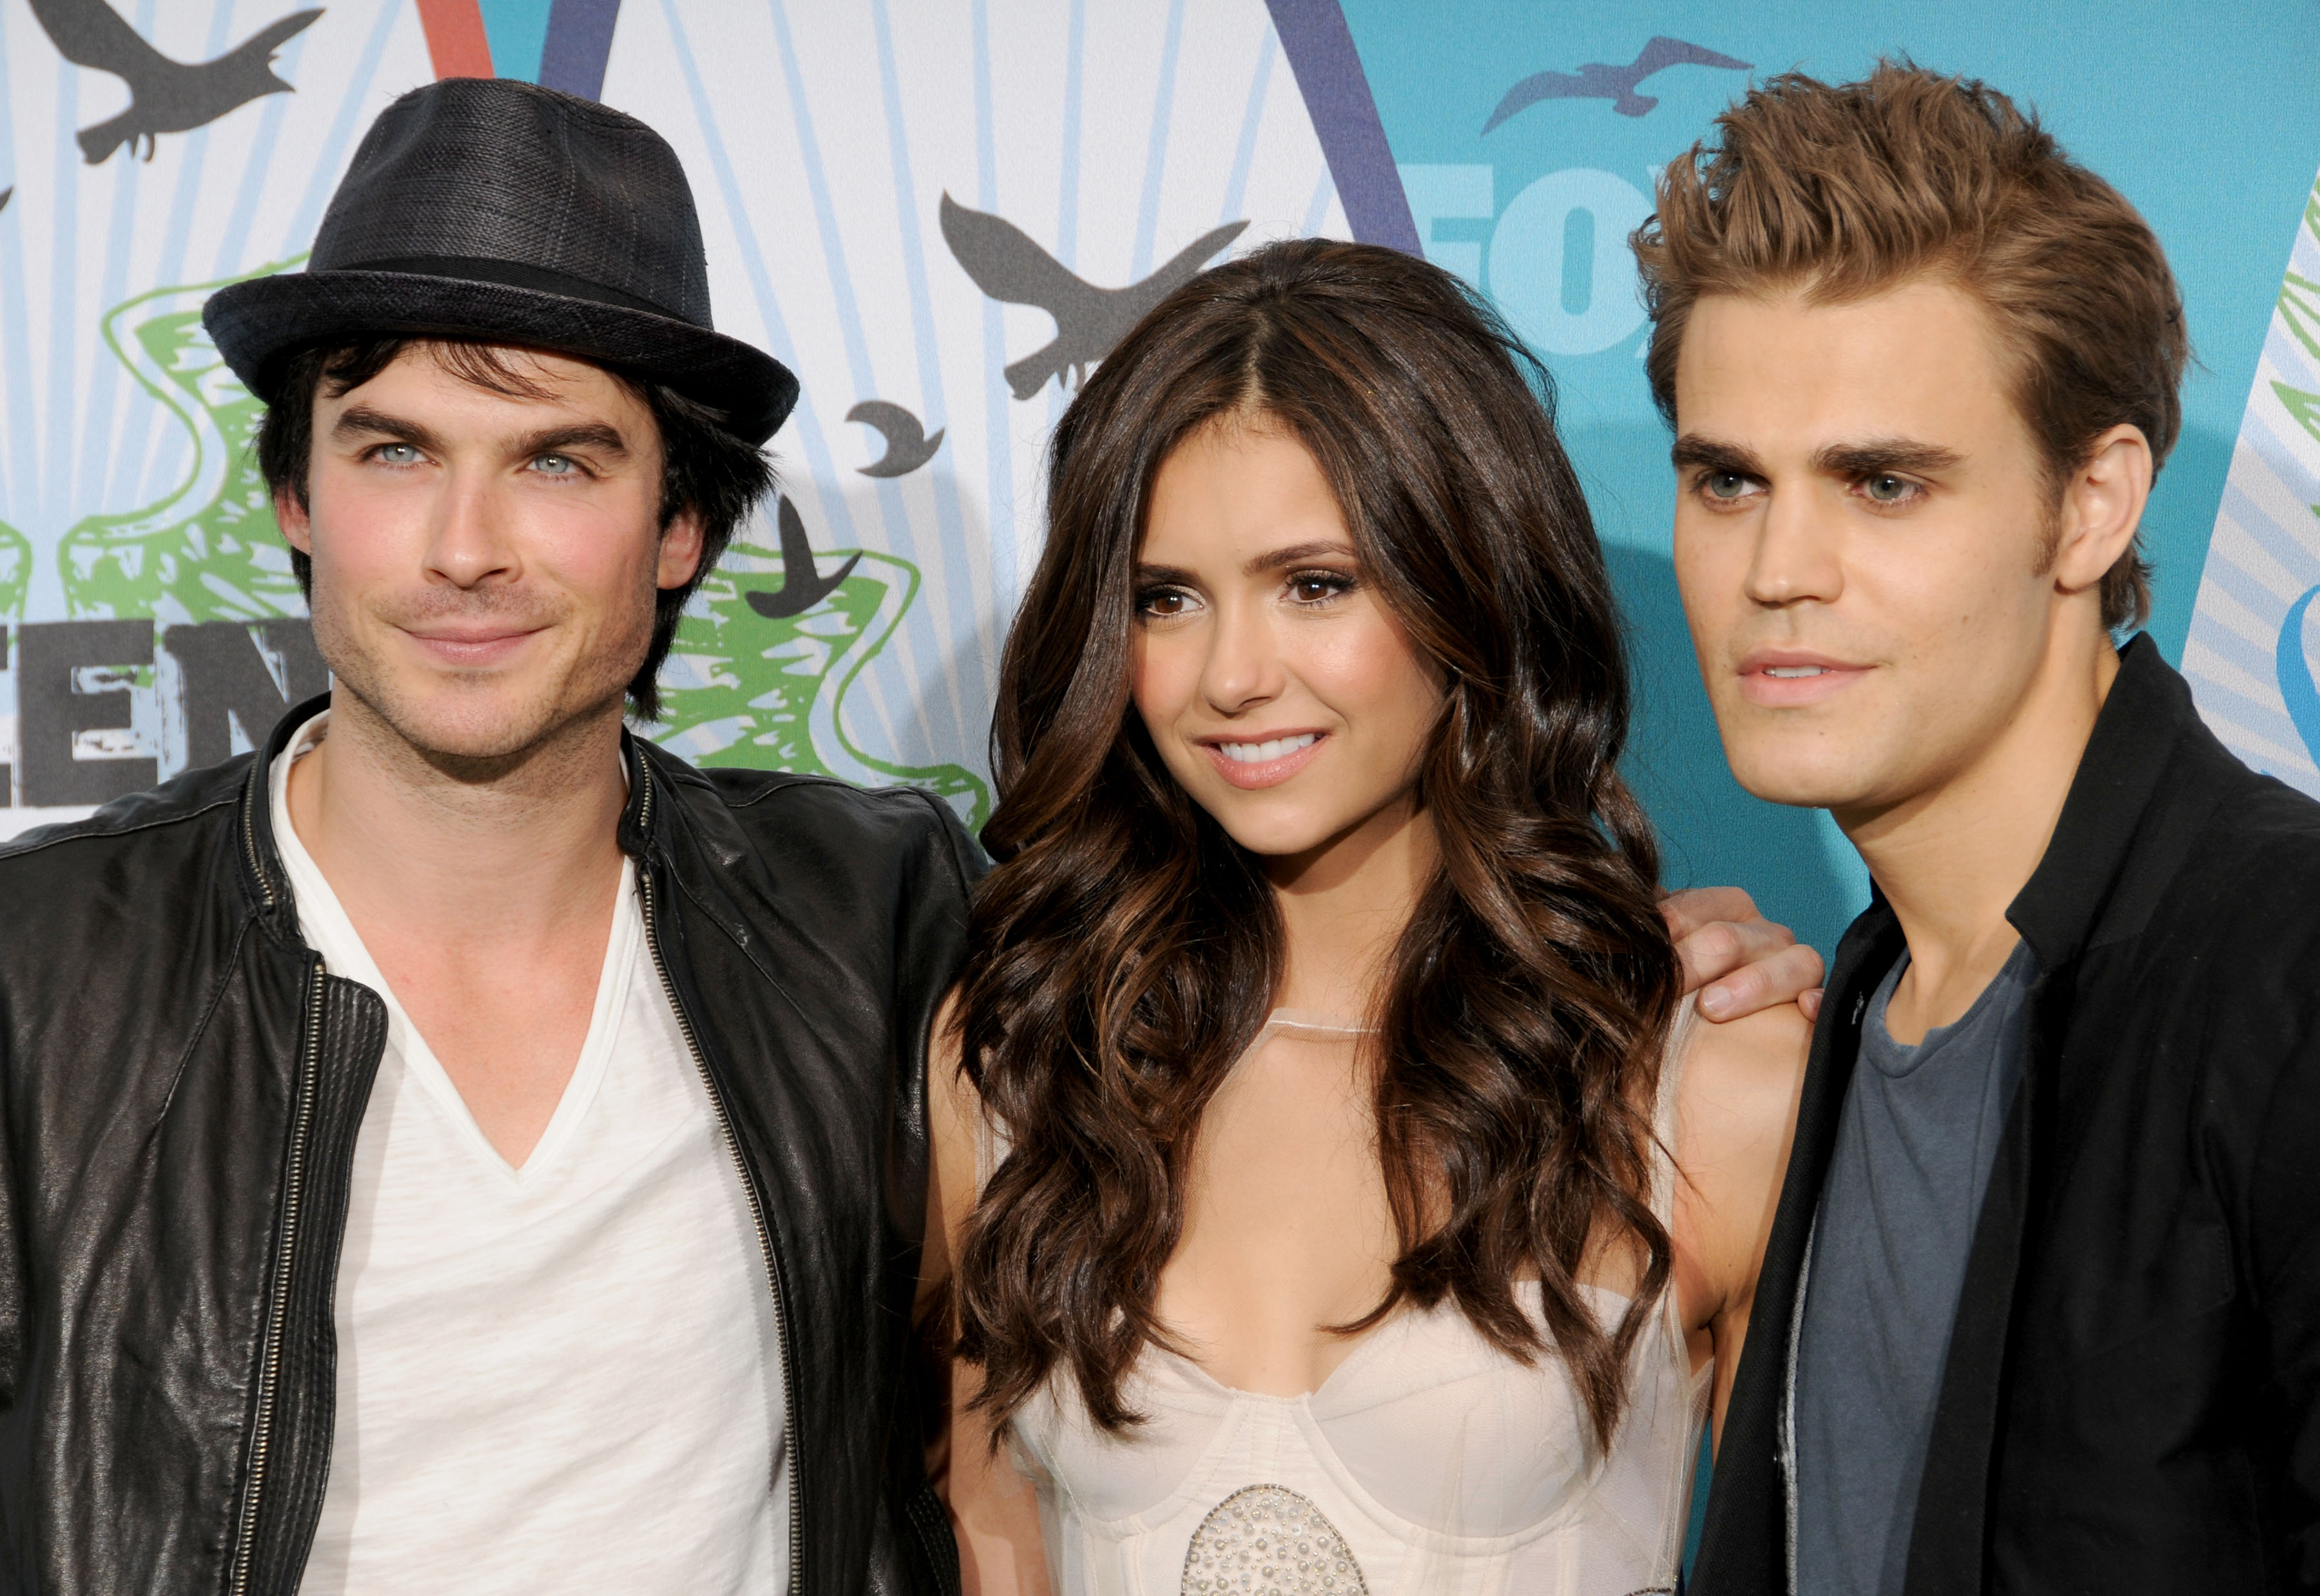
(489, 208)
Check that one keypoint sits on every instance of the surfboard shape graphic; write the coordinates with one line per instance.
(2249, 655)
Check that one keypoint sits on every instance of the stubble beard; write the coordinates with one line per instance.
(481, 734)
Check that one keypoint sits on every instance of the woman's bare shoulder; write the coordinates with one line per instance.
(1736, 1102)
(953, 1116)
(949, 1091)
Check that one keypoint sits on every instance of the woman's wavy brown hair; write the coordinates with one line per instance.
(1128, 950)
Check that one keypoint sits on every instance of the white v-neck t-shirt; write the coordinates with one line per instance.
(565, 1376)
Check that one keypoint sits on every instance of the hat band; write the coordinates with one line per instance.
(512, 274)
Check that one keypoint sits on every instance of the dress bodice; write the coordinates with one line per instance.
(1427, 1461)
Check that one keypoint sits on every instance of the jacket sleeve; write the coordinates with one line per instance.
(12, 1235)
(2283, 1228)
(934, 941)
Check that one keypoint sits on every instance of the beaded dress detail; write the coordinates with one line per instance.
(1269, 1541)
(1429, 1461)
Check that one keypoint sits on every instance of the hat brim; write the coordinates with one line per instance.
(252, 322)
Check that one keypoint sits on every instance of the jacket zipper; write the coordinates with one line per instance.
(250, 846)
(261, 1434)
(748, 1190)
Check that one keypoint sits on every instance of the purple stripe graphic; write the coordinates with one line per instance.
(579, 41)
(1320, 50)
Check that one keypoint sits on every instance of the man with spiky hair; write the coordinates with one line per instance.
(2041, 1309)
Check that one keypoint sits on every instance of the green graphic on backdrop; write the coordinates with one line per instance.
(2299, 295)
(2299, 311)
(743, 689)
(2303, 408)
(209, 550)
(15, 571)
(747, 689)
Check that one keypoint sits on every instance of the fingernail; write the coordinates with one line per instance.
(1716, 1003)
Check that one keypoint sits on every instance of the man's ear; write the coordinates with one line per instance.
(680, 549)
(2102, 507)
(291, 516)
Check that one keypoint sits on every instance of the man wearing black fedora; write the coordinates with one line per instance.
(463, 1147)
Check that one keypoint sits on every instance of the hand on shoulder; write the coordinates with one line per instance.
(1738, 961)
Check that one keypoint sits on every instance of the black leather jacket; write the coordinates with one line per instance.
(181, 1084)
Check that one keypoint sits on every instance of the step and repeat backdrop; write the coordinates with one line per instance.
(942, 213)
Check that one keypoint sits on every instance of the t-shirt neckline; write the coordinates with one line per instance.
(324, 921)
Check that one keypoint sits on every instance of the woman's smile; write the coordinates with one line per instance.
(1253, 763)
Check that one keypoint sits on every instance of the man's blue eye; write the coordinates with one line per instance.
(555, 465)
(398, 454)
(1888, 490)
(1727, 484)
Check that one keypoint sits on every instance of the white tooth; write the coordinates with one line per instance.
(1269, 750)
(1305, 741)
(1785, 672)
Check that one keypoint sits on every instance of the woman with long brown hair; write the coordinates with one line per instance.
(1334, 1190)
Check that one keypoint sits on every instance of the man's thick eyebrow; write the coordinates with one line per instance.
(1873, 455)
(1694, 452)
(360, 423)
(591, 435)
(1281, 559)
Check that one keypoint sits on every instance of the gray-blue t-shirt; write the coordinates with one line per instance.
(1914, 1150)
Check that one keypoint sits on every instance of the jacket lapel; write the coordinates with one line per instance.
(2092, 883)
(1744, 1544)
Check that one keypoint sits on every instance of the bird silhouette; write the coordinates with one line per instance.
(1006, 264)
(165, 95)
(1596, 81)
(803, 585)
(908, 447)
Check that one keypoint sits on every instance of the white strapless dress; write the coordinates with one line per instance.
(1429, 1461)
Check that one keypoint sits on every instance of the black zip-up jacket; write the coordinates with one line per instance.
(180, 1084)
(2132, 1397)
